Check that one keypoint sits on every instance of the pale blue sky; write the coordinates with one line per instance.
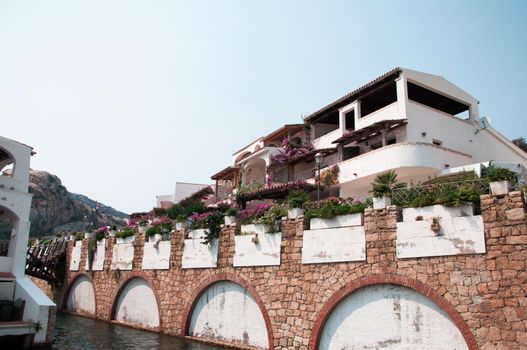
(122, 98)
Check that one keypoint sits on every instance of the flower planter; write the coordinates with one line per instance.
(435, 227)
(499, 188)
(230, 220)
(337, 221)
(141, 230)
(254, 228)
(88, 235)
(111, 233)
(181, 226)
(294, 213)
(381, 202)
(124, 240)
(154, 238)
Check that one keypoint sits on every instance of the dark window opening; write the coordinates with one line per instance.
(350, 152)
(327, 124)
(376, 145)
(437, 142)
(437, 101)
(379, 98)
(391, 141)
(350, 120)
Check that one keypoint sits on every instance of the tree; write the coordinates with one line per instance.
(521, 142)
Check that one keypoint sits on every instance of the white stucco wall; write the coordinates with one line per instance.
(37, 305)
(81, 298)
(461, 232)
(227, 312)
(98, 257)
(137, 305)
(334, 245)
(389, 317)
(76, 256)
(199, 255)
(122, 256)
(266, 252)
(156, 258)
(460, 135)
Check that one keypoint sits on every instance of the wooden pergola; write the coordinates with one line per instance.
(379, 128)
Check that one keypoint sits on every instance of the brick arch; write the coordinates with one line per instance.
(78, 275)
(145, 277)
(415, 285)
(187, 315)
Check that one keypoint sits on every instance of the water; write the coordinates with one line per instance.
(75, 332)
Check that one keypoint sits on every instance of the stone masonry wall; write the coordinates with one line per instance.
(484, 294)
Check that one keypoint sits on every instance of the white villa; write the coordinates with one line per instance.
(25, 309)
(418, 124)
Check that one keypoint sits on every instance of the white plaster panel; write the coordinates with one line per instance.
(76, 256)
(334, 245)
(81, 298)
(266, 252)
(389, 317)
(337, 221)
(458, 236)
(98, 257)
(122, 256)
(199, 255)
(137, 305)
(156, 258)
(446, 213)
(227, 312)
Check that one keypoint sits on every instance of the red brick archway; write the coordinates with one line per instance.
(417, 286)
(123, 283)
(64, 304)
(187, 315)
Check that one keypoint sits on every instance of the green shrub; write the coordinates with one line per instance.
(160, 212)
(296, 198)
(335, 208)
(176, 210)
(232, 211)
(125, 232)
(494, 173)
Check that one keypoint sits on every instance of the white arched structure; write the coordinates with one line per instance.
(387, 316)
(227, 312)
(81, 297)
(15, 204)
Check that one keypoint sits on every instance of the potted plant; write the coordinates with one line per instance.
(160, 228)
(181, 222)
(383, 185)
(435, 225)
(296, 200)
(126, 235)
(499, 179)
(230, 216)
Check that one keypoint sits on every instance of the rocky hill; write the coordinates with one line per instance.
(54, 209)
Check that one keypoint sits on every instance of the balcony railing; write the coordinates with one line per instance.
(282, 173)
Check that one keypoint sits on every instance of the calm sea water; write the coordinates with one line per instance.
(75, 332)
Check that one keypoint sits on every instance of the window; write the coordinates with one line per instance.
(350, 120)
(437, 101)
(437, 142)
(379, 98)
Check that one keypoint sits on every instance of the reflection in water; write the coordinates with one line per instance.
(75, 332)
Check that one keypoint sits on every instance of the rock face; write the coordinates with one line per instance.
(54, 209)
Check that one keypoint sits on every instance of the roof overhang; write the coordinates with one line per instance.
(226, 174)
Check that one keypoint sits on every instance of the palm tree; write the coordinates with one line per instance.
(385, 183)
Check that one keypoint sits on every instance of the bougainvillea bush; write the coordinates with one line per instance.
(160, 226)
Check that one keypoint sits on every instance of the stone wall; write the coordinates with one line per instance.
(483, 294)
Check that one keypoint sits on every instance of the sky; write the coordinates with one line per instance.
(121, 99)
